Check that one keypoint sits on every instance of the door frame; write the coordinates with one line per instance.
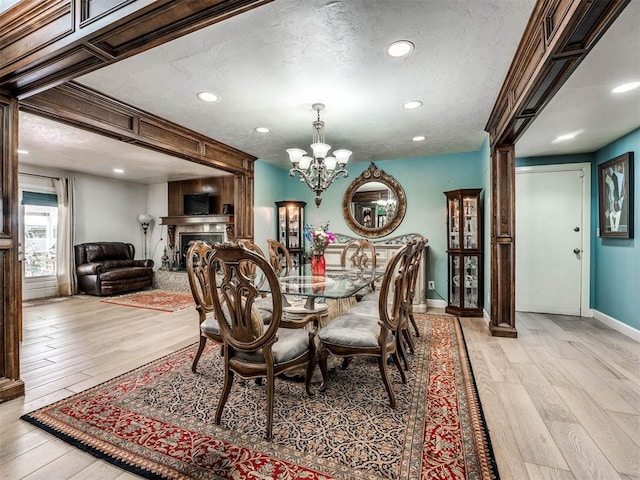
(585, 168)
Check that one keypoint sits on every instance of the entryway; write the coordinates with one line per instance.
(552, 238)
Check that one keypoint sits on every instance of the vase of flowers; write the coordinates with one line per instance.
(319, 237)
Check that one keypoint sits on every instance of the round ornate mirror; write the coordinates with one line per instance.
(374, 204)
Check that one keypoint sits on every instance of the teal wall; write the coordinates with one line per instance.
(266, 191)
(616, 261)
(424, 180)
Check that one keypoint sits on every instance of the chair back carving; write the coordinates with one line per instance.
(249, 269)
(279, 257)
(360, 254)
(237, 271)
(394, 283)
(413, 269)
(198, 275)
(198, 266)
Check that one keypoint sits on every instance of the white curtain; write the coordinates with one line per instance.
(66, 231)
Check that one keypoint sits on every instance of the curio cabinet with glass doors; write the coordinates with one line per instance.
(290, 228)
(464, 252)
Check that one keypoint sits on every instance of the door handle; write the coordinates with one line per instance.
(576, 251)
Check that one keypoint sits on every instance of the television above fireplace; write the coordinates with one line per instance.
(197, 204)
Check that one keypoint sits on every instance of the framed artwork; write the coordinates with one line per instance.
(615, 197)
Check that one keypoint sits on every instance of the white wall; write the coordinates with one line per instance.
(106, 209)
(157, 205)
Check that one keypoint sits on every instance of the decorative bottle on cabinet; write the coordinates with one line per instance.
(464, 248)
(291, 228)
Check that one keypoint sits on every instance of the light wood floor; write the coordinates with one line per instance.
(562, 401)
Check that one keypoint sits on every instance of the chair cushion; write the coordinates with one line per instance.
(210, 325)
(351, 330)
(292, 343)
(371, 296)
(264, 303)
(365, 308)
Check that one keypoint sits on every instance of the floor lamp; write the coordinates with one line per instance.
(145, 220)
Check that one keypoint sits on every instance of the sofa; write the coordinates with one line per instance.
(106, 268)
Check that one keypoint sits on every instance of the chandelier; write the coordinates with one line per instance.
(320, 171)
(389, 206)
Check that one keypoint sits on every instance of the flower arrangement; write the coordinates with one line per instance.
(319, 236)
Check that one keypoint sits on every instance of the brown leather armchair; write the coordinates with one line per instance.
(106, 268)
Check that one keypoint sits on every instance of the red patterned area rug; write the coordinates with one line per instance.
(158, 420)
(154, 300)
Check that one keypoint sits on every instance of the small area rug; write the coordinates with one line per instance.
(154, 300)
(158, 421)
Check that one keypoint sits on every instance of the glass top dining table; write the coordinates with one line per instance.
(336, 283)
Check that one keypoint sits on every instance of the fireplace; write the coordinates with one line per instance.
(188, 237)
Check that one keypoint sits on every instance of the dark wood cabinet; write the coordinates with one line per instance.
(290, 226)
(465, 252)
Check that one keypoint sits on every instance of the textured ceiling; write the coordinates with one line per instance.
(271, 64)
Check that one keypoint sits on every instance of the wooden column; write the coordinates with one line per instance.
(243, 200)
(503, 230)
(10, 279)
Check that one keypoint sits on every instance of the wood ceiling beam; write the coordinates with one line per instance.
(44, 43)
(558, 36)
(85, 108)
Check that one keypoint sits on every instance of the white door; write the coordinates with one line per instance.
(551, 275)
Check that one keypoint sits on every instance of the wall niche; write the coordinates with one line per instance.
(219, 188)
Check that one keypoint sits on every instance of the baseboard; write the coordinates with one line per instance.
(436, 303)
(623, 328)
(420, 308)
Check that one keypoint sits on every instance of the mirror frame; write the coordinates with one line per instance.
(374, 174)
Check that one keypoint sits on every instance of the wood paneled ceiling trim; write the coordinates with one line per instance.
(45, 43)
(559, 35)
(85, 108)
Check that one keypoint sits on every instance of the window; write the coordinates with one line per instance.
(40, 233)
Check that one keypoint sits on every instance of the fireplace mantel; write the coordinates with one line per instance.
(196, 219)
(193, 221)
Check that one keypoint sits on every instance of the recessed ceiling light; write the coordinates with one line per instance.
(262, 129)
(626, 87)
(23, 152)
(118, 170)
(400, 48)
(208, 96)
(567, 136)
(419, 138)
(412, 104)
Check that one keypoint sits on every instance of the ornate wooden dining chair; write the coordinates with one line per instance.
(198, 265)
(353, 334)
(411, 266)
(198, 273)
(279, 257)
(360, 254)
(414, 272)
(253, 349)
